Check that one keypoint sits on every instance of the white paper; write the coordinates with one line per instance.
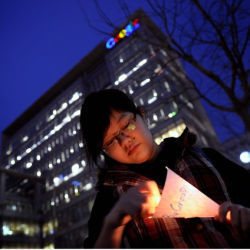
(181, 199)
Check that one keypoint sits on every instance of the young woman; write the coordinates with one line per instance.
(133, 173)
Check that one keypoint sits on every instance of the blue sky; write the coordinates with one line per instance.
(42, 40)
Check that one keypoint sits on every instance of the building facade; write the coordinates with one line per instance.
(47, 187)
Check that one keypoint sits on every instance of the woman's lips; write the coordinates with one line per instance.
(132, 150)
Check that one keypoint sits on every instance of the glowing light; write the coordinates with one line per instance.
(76, 191)
(144, 82)
(56, 181)
(142, 62)
(83, 163)
(25, 138)
(245, 157)
(12, 162)
(38, 173)
(76, 113)
(80, 144)
(88, 186)
(173, 133)
(66, 119)
(127, 31)
(75, 168)
(151, 100)
(74, 97)
(126, 75)
(76, 183)
(28, 164)
(18, 157)
(181, 199)
(38, 157)
(155, 117)
(28, 150)
(64, 105)
(172, 114)
(52, 132)
(122, 77)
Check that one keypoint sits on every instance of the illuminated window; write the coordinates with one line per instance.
(9, 150)
(50, 165)
(152, 97)
(74, 97)
(67, 153)
(174, 132)
(20, 228)
(75, 168)
(66, 197)
(28, 150)
(49, 227)
(28, 164)
(155, 117)
(167, 86)
(88, 186)
(83, 163)
(63, 157)
(76, 113)
(76, 191)
(49, 246)
(144, 82)
(38, 173)
(56, 181)
(78, 126)
(25, 138)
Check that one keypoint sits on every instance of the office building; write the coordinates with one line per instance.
(47, 187)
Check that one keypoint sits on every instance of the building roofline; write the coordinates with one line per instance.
(92, 59)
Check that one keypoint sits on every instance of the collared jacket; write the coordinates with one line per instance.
(207, 169)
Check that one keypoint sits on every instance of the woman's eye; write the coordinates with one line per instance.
(109, 143)
(127, 124)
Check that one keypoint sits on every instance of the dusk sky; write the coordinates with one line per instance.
(42, 40)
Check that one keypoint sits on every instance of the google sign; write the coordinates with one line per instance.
(127, 31)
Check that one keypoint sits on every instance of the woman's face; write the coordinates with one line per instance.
(128, 140)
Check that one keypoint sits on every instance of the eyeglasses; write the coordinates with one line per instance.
(127, 127)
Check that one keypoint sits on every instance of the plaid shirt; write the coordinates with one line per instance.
(177, 232)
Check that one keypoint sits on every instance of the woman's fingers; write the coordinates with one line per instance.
(239, 219)
(143, 198)
(223, 210)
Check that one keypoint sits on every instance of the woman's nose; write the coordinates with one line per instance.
(124, 138)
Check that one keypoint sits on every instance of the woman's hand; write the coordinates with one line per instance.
(139, 200)
(238, 217)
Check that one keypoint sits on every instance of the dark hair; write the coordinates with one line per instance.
(95, 114)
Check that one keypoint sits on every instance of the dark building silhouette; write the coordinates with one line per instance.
(47, 187)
